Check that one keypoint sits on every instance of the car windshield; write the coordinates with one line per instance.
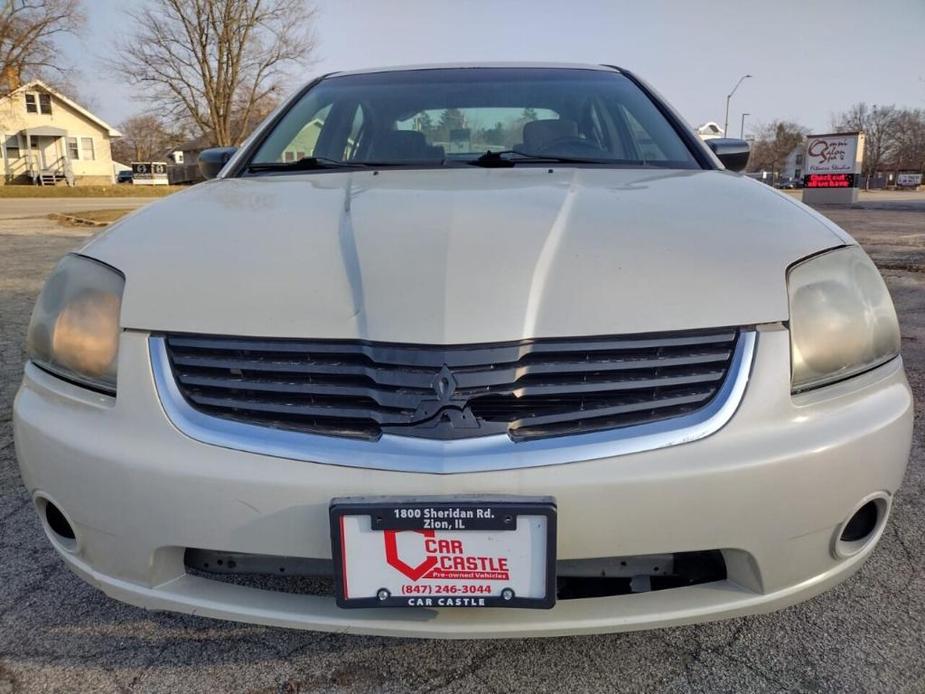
(438, 117)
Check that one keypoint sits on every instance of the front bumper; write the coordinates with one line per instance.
(769, 490)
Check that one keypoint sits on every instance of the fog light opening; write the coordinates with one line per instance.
(862, 527)
(58, 523)
(861, 524)
(57, 526)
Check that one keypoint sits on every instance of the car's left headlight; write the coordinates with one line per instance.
(842, 320)
(74, 332)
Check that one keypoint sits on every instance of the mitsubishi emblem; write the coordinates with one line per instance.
(444, 384)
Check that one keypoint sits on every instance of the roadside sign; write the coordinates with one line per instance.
(149, 173)
(832, 168)
(831, 154)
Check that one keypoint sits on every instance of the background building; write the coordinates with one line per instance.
(46, 138)
(710, 130)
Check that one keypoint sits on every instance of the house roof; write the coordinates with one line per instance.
(77, 107)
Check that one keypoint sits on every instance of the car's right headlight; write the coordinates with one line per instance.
(74, 332)
(842, 320)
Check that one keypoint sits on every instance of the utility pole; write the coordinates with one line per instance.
(728, 99)
(742, 127)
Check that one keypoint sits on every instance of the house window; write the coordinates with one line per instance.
(31, 104)
(45, 104)
(73, 151)
(12, 147)
(86, 149)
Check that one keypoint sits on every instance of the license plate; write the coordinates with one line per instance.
(444, 552)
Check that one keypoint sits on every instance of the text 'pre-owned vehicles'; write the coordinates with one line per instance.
(467, 351)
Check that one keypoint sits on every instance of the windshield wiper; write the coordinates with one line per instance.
(305, 164)
(489, 159)
(498, 159)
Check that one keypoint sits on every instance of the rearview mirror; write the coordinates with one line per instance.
(212, 160)
(733, 153)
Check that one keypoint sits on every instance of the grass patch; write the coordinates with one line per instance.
(90, 217)
(114, 191)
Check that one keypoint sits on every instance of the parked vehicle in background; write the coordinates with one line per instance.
(507, 349)
(124, 176)
(765, 177)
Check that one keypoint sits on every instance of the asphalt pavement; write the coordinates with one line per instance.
(58, 634)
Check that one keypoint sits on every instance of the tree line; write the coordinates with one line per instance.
(894, 139)
(212, 69)
(208, 69)
(453, 119)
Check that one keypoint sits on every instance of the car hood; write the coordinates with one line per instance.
(450, 256)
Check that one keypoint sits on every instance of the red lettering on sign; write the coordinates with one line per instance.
(443, 546)
(444, 559)
(829, 181)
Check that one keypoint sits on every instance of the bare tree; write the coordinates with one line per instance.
(773, 144)
(28, 29)
(216, 63)
(879, 125)
(909, 141)
(145, 137)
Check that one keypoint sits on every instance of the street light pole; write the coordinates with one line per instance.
(742, 128)
(728, 99)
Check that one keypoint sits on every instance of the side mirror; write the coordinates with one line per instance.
(212, 160)
(733, 153)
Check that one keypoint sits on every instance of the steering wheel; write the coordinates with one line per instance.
(568, 145)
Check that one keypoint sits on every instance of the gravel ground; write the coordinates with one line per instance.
(58, 634)
(29, 208)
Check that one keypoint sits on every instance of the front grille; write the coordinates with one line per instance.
(528, 390)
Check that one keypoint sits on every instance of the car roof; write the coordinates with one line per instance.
(464, 66)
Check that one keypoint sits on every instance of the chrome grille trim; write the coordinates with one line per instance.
(479, 454)
(527, 389)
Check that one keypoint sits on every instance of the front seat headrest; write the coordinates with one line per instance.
(541, 133)
(400, 145)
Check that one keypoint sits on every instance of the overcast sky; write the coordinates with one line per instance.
(809, 58)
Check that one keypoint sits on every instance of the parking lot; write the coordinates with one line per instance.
(59, 634)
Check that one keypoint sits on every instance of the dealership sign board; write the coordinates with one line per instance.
(908, 180)
(832, 167)
(149, 173)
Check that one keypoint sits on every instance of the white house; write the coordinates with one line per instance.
(46, 138)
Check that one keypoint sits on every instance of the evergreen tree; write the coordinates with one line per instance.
(452, 119)
(495, 135)
(425, 124)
